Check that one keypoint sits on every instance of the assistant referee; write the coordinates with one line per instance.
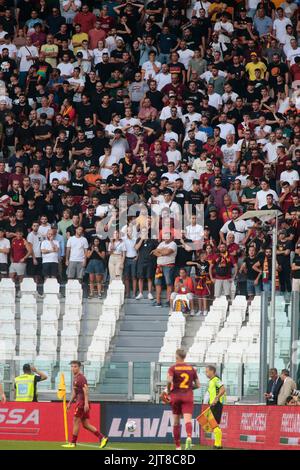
(26, 383)
(215, 397)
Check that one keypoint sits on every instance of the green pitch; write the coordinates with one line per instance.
(30, 445)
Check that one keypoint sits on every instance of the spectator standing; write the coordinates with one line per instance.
(76, 254)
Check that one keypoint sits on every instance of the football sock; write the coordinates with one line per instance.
(74, 439)
(176, 434)
(218, 436)
(99, 435)
(188, 428)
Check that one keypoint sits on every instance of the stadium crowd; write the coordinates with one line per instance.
(154, 110)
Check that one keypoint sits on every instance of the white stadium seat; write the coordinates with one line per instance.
(28, 286)
(234, 354)
(51, 286)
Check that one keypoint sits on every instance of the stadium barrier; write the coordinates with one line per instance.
(243, 426)
(40, 422)
(259, 427)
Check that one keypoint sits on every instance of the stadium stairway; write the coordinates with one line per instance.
(139, 339)
(191, 327)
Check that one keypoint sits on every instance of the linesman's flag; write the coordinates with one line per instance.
(207, 421)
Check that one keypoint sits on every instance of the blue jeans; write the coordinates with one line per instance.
(168, 274)
(252, 289)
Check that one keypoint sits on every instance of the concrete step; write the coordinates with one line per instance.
(143, 326)
(140, 342)
(129, 356)
(138, 334)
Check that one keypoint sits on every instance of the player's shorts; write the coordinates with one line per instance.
(182, 404)
(217, 411)
(80, 413)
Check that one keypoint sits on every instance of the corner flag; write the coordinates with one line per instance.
(62, 395)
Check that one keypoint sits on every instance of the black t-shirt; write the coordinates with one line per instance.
(183, 256)
(250, 262)
(104, 114)
(78, 186)
(156, 99)
(144, 256)
(214, 228)
(84, 111)
(283, 259)
(180, 197)
(195, 198)
(115, 181)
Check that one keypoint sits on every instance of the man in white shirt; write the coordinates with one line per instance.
(290, 175)
(4, 251)
(225, 127)
(190, 116)
(292, 52)
(187, 175)
(229, 94)
(185, 54)
(171, 174)
(76, 254)
(50, 253)
(173, 206)
(271, 148)
(27, 54)
(173, 154)
(280, 24)
(166, 255)
(195, 232)
(261, 196)
(230, 151)
(156, 200)
(43, 227)
(66, 67)
(151, 67)
(163, 78)
(35, 237)
(224, 28)
(263, 130)
(238, 227)
(61, 175)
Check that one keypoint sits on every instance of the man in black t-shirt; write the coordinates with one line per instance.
(253, 277)
(146, 262)
(115, 181)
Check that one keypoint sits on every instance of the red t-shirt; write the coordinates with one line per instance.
(184, 376)
(187, 283)
(78, 383)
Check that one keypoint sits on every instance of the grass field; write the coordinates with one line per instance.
(31, 445)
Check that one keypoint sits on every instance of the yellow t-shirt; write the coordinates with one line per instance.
(251, 67)
(77, 39)
(50, 48)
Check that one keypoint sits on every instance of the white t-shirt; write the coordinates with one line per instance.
(149, 70)
(43, 230)
(78, 246)
(170, 259)
(227, 27)
(4, 243)
(166, 112)
(60, 175)
(35, 239)
(289, 176)
(194, 232)
(111, 159)
(226, 128)
(50, 257)
(240, 226)
(77, 81)
(262, 197)
(280, 28)
(271, 150)
(66, 69)
(173, 156)
(97, 53)
(170, 136)
(162, 79)
(188, 178)
(215, 100)
(185, 57)
(26, 51)
(172, 177)
(229, 153)
(291, 54)
(129, 244)
(155, 203)
(199, 5)
(12, 50)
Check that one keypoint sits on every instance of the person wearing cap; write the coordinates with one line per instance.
(26, 384)
(254, 65)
